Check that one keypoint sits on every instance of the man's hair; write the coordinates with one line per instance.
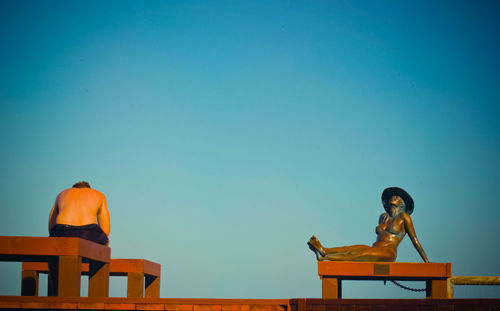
(81, 184)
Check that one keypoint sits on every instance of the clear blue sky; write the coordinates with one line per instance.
(225, 133)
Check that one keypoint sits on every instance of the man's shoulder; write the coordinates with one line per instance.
(82, 191)
(65, 191)
(94, 192)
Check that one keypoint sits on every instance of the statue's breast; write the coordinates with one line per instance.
(396, 227)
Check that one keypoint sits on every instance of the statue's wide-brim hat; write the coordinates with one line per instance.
(396, 191)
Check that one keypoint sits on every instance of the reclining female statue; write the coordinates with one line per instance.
(393, 226)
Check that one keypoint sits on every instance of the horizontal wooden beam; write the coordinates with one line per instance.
(117, 267)
(475, 280)
(168, 304)
(384, 269)
(21, 248)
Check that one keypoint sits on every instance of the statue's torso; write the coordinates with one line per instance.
(391, 232)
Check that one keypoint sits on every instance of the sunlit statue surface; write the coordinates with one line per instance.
(392, 228)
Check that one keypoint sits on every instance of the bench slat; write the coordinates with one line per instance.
(117, 267)
(18, 248)
(378, 269)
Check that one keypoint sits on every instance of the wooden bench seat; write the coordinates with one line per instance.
(65, 255)
(332, 273)
(143, 276)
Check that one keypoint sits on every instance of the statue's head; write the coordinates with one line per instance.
(397, 198)
(396, 205)
(81, 184)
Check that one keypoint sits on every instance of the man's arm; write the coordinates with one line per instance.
(103, 217)
(411, 232)
(53, 215)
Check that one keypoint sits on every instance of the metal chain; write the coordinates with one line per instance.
(408, 288)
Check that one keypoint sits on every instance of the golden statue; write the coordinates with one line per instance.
(392, 228)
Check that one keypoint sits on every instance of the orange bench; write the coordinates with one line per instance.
(143, 276)
(65, 255)
(332, 273)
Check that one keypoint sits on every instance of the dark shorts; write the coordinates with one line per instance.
(90, 232)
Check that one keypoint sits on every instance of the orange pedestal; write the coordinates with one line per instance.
(434, 274)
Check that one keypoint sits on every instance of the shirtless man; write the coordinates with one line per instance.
(80, 212)
(392, 228)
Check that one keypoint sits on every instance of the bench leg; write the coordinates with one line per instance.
(301, 305)
(135, 285)
(436, 289)
(52, 277)
(152, 286)
(449, 285)
(439, 289)
(29, 283)
(331, 288)
(98, 279)
(69, 276)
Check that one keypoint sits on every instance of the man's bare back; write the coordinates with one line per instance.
(80, 206)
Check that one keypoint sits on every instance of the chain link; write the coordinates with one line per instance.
(408, 288)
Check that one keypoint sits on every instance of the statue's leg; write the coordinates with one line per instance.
(315, 246)
(346, 249)
(363, 253)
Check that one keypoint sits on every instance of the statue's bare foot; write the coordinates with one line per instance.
(316, 247)
(319, 257)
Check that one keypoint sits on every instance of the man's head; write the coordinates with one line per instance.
(81, 184)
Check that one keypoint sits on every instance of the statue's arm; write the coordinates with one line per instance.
(384, 218)
(382, 223)
(413, 236)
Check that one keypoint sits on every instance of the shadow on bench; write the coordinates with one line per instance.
(143, 276)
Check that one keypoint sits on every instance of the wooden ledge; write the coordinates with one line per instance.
(169, 304)
(384, 269)
(136, 265)
(20, 248)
